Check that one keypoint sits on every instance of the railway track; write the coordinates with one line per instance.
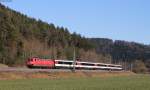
(16, 69)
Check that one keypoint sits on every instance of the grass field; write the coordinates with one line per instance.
(135, 82)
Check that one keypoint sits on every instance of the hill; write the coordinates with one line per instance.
(22, 37)
(128, 53)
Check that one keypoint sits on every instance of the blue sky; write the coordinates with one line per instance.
(116, 19)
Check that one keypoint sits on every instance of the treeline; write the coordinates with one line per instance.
(130, 54)
(22, 37)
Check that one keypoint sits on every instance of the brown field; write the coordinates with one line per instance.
(57, 75)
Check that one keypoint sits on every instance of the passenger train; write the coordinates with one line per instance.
(68, 64)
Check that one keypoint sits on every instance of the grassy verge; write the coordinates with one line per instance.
(57, 75)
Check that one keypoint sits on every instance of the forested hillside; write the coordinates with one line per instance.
(131, 54)
(22, 37)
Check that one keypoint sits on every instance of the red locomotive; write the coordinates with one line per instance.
(40, 63)
(50, 63)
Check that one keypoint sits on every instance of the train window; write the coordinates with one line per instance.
(69, 63)
(111, 66)
(60, 62)
(88, 64)
(118, 66)
(101, 65)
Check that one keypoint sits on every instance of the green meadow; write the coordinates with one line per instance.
(135, 82)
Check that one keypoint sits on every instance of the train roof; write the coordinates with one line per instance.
(88, 62)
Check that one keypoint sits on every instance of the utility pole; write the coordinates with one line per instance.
(74, 60)
(131, 66)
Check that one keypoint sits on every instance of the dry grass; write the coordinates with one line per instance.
(57, 75)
